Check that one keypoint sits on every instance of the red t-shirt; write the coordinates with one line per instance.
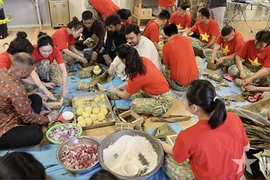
(184, 21)
(252, 56)
(182, 61)
(211, 151)
(206, 31)
(5, 61)
(151, 31)
(127, 22)
(105, 7)
(152, 82)
(230, 47)
(61, 38)
(55, 55)
(166, 3)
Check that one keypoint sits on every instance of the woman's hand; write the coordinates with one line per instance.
(50, 85)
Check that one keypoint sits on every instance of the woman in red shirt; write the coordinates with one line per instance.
(49, 61)
(64, 39)
(150, 90)
(215, 145)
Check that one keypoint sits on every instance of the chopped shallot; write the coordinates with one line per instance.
(80, 156)
(63, 133)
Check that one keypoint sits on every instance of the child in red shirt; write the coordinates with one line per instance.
(208, 30)
(64, 40)
(125, 16)
(180, 65)
(229, 42)
(181, 18)
(168, 5)
(215, 141)
(149, 97)
(151, 31)
(256, 55)
(49, 59)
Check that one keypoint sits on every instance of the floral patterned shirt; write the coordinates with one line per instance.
(15, 107)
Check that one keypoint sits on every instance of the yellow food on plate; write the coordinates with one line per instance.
(96, 110)
(103, 106)
(93, 117)
(101, 116)
(79, 111)
(104, 111)
(80, 118)
(88, 109)
(88, 121)
(85, 114)
(82, 123)
(79, 103)
(96, 68)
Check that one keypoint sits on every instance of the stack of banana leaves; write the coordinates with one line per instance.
(258, 134)
(104, 77)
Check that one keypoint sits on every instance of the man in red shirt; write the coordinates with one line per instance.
(256, 65)
(181, 18)
(180, 66)
(208, 30)
(229, 42)
(168, 5)
(151, 31)
(125, 16)
(104, 7)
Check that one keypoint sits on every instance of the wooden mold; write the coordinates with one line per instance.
(130, 117)
(171, 139)
(86, 67)
(55, 104)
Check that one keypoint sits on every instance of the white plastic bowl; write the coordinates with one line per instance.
(67, 115)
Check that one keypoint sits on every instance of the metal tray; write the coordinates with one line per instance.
(110, 117)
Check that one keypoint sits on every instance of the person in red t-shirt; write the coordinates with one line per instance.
(64, 40)
(49, 61)
(125, 16)
(230, 42)
(180, 66)
(208, 30)
(168, 5)
(181, 18)
(151, 30)
(149, 97)
(215, 143)
(256, 65)
(104, 7)
(22, 44)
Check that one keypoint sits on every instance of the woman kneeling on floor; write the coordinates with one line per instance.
(149, 89)
(216, 145)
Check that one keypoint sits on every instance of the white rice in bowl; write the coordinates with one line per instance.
(134, 150)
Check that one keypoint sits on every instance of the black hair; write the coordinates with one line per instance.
(204, 12)
(164, 15)
(20, 44)
(112, 19)
(44, 39)
(170, 29)
(103, 175)
(124, 13)
(132, 28)
(87, 15)
(75, 23)
(133, 62)
(183, 6)
(21, 165)
(227, 30)
(202, 93)
(263, 36)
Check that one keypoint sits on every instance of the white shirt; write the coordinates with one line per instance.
(145, 48)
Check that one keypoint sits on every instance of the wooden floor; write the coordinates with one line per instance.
(33, 32)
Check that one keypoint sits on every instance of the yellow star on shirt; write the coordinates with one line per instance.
(179, 27)
(225, 50)
(254, 62)
(205, 37)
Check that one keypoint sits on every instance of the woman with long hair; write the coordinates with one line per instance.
(215, 141)
(150, 90)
